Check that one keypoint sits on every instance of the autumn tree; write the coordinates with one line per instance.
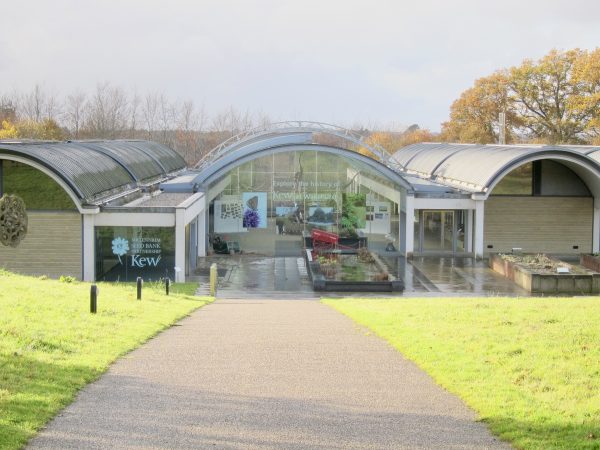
(552, 100)
(8, 130)
(586, 74)
(474, 116)
(46, 129)
(541, 93)
(393, 140)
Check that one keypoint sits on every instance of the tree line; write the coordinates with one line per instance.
(554, 100)
(111, 113)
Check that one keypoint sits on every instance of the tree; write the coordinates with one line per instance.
(586, 74)
(474, 116)
(75, 112)
(106, 115)
(46, 129)
(541, 92)
(8, 130)
(553, 100)
(393, 140)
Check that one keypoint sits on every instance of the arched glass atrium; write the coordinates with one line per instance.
(264, 206)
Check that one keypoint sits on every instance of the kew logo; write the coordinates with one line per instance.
(120, 247)
(144, 261)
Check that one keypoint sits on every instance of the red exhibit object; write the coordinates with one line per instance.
(324, 237)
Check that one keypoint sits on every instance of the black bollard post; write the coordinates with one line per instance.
(167, 284)
(93, 299)
(139, 282)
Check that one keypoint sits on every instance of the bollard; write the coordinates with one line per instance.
(139, 283)
(213, 280)
(167, 284)
(93, 299)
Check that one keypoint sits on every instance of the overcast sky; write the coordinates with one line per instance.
(385, 62)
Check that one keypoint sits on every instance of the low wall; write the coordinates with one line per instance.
(546, 283)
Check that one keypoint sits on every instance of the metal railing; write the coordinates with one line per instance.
(351, 136)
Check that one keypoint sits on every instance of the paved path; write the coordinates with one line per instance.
(245, 374)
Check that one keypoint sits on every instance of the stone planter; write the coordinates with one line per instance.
(538, 282)
(321, 280)
(590, 262)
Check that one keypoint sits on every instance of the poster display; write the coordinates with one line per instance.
(255, 210)
(378, 218)
(228, 214)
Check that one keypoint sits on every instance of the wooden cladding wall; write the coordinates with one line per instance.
(538, 224)
(52, 246)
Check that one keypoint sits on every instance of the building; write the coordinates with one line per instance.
(120, 209)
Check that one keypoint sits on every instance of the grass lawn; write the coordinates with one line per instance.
(529, 366)
(51, 346)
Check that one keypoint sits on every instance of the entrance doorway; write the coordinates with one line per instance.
(440, 231)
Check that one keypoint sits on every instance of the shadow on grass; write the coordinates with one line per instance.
(32, 392)
(549, 435)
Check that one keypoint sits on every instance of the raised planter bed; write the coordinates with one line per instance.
(591, 262)
(543, 280)
(326, 277)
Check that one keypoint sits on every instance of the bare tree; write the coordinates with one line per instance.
(33, 104)
(187, 137)
(52, 108)
(134, 110)
(150, 113)
(8, 107)
(75, 112)
(165, 115)
(107, 112)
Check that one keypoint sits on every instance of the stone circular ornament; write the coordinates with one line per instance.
(13, 220)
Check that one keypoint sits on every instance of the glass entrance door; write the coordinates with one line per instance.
(439, 231)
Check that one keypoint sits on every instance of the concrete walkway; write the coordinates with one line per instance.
(245, 374)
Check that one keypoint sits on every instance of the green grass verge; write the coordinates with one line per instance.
(529, 366)
(51, 346)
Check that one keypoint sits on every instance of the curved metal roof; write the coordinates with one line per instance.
(97, 169)
(478, 167)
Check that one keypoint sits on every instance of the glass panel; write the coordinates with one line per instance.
(447, 230)
(438, 230)
(125, 253)
(432, 225)
(460, 230)
(417, 234)
(37, 189)
(517, 182)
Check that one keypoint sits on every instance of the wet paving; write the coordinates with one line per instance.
(253, 276)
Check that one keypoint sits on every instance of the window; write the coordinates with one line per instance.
(517, 182)
(37, 189)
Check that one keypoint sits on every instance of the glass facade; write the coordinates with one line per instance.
(439, 231)
(517, 182)
(542, 178)
(38, 190)
(265, 205)
(125, 253)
